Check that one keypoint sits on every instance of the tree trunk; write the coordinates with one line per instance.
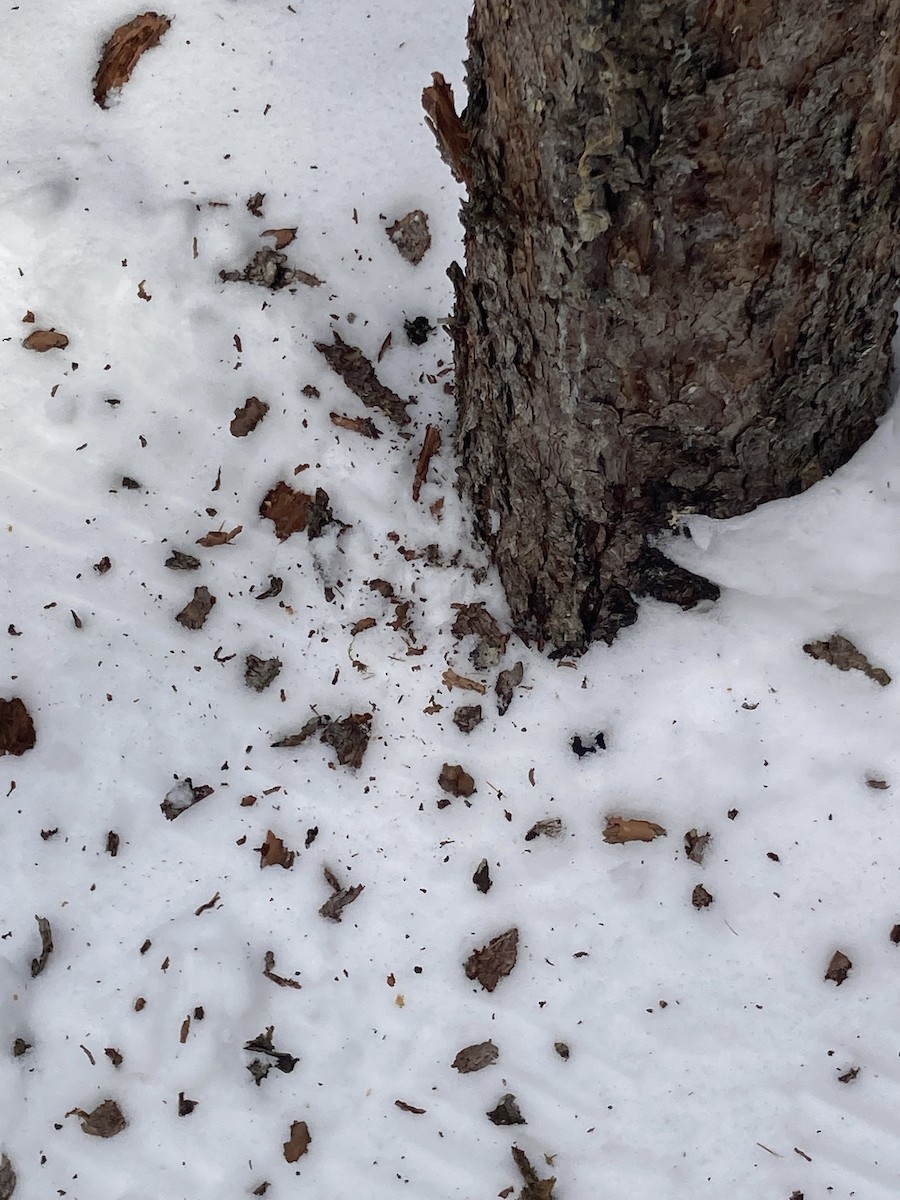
(682, 261)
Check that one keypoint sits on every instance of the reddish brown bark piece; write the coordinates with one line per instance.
(452, 680)
(364, 426)
(280, 980)
(298, 1143)
(248, 416)
(17, 733)
(105, 1121)
(292, 512)
(494, 961)
(456, 780)
(195, 612)
(359, 375)
(839, 968)
(623, 829)
(219, 537)
(412, 238)
(122, 51)
(274, 853)
(840, 652)
(534, 1188)
(443, 121)
(43, 340)
(283, 237)
(430, 447)
(700, 897)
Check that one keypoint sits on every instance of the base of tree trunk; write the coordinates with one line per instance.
(682, 261)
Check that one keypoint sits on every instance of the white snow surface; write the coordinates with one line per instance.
(705, 1045)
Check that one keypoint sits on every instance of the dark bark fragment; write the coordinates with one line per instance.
(682, 260)
(359, 375)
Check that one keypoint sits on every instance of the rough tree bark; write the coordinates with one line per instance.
(682, 261)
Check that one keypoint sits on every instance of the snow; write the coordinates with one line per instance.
(705, 1045)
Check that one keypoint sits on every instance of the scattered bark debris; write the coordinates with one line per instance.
(534, 1187)
(895, 935)
(195, 612)
(495, 960)
(114, 1056)
(20, 1047)
(475, 1057)
(43, 340)
(265, 1185)
(430, 447)
(273, 590)
(312, 727)
(411, 236)
(506, 682)
(255, 203)
(185, 1106)
(348, 736)
(359, 375)
(849, 1075)
(474, 619)
(274, 853)
(507, 1112)
(292, 512)
(878, 785)
(551, 827)
(130, 485)
(700, 897)
(7, 1178)
(182, 797)
(482, 877)
(248, 416)
(562, 1050)
(695, 845)
(281, 1060)
(103, 565)
(123, 50)
(219, 537)
(623, 829)
(839, 652)
(269, 269)
(280, 980)
(298, 1143)
(283, 237)
(112, 843)
(452, 680)
(364, 426)
(456, 780)
(38, 964)
(105, 1121)
(334, 906)
(839, 968)
(17, 733)
(259, 673)
(444, 122)
(588, 745)
(210, 903)
(179, 561)
(410, 1108)
(418, 330)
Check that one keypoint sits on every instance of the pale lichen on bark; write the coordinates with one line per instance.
(682, 259)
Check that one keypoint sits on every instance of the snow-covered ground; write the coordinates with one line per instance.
(700, 1050)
